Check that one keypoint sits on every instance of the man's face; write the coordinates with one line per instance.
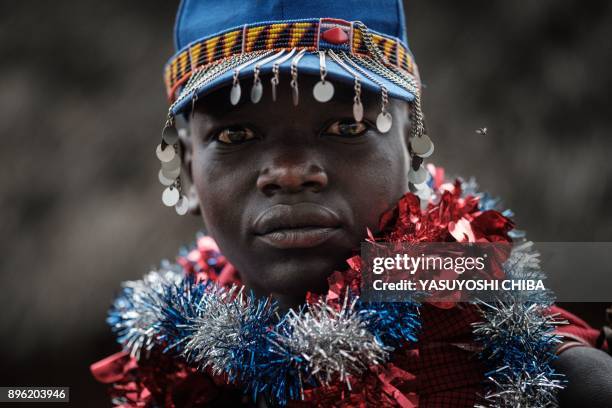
(287, 192)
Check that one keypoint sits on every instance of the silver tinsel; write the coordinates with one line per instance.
(334, 343)
(524, 264)
(518, 339)
(522, 391)
(136, 314)
(221, 339)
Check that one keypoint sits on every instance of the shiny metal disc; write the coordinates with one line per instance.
(235, 94)
(424, 194)
(295, 94)
(256, 92)
(182, 206)
(170, 173)
(384, 120)
(429, 153)
(175, 163)
(421, 145)
(417, 177)
(170, 196)
(166, 154)
(358, 112)
(166, 181)
(421, 186)
(323, 91)
(170, 135)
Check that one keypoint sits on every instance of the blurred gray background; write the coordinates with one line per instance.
(82, 105)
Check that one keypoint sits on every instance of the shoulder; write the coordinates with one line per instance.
(588, 372)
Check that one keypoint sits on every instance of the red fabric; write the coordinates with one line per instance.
(577, 330)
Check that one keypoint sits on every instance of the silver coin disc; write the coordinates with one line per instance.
(170, 196)
(175, 163)
(256, 92)
(358, 112)
(171, 135)
(182, 206)
(424, 194)
(384, 120)
(421, 145)
(323, 91)
(417, 177)
(166, 154)
(170, 173)
(166, 181)
(235, 94)
(427, 154)
(295, 94)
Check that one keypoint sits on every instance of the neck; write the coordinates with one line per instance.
(286, 302)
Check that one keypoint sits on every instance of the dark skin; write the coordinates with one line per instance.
(287, 155)
(243, 160)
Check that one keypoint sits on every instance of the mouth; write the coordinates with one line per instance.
(303, 225)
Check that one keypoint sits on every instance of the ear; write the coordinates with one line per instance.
(186, 160)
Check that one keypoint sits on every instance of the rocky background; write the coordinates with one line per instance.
(82, 105)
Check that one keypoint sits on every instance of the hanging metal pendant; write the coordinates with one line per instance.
(182, 206)
(295, 94)
(384, 121)
(235, 94)
(165, 154)
(323, 91)
(164, 180)
(170, 135)
(170, 196)
(428, 153)
(170, 173)
(256, 92)
(274, 85)
(358, 111)
(175, 163)
(424, 194)
(417, 177)
(422, 146)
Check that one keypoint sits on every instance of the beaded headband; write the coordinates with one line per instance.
(312, 35)
(367, 58)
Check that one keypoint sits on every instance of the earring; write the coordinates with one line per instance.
(420, 147)
(170, 173)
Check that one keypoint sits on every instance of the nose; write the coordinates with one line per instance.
(291, 177)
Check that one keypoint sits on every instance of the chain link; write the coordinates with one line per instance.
(205, 76)
(376, 63)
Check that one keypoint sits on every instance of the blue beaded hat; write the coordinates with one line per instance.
(359, 43)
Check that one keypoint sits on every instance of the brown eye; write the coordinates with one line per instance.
(235, 135)
(347, 128)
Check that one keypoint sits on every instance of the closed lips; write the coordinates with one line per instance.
(297, 216)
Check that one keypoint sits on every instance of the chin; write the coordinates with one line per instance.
(297, 275)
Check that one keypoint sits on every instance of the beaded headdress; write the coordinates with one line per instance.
(267, 40)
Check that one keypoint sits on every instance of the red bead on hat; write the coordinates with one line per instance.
(335, 35)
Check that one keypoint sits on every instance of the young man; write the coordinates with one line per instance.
(306, 138)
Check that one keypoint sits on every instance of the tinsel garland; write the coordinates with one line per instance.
(216, 326)
(518, 339)
(231, 333)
